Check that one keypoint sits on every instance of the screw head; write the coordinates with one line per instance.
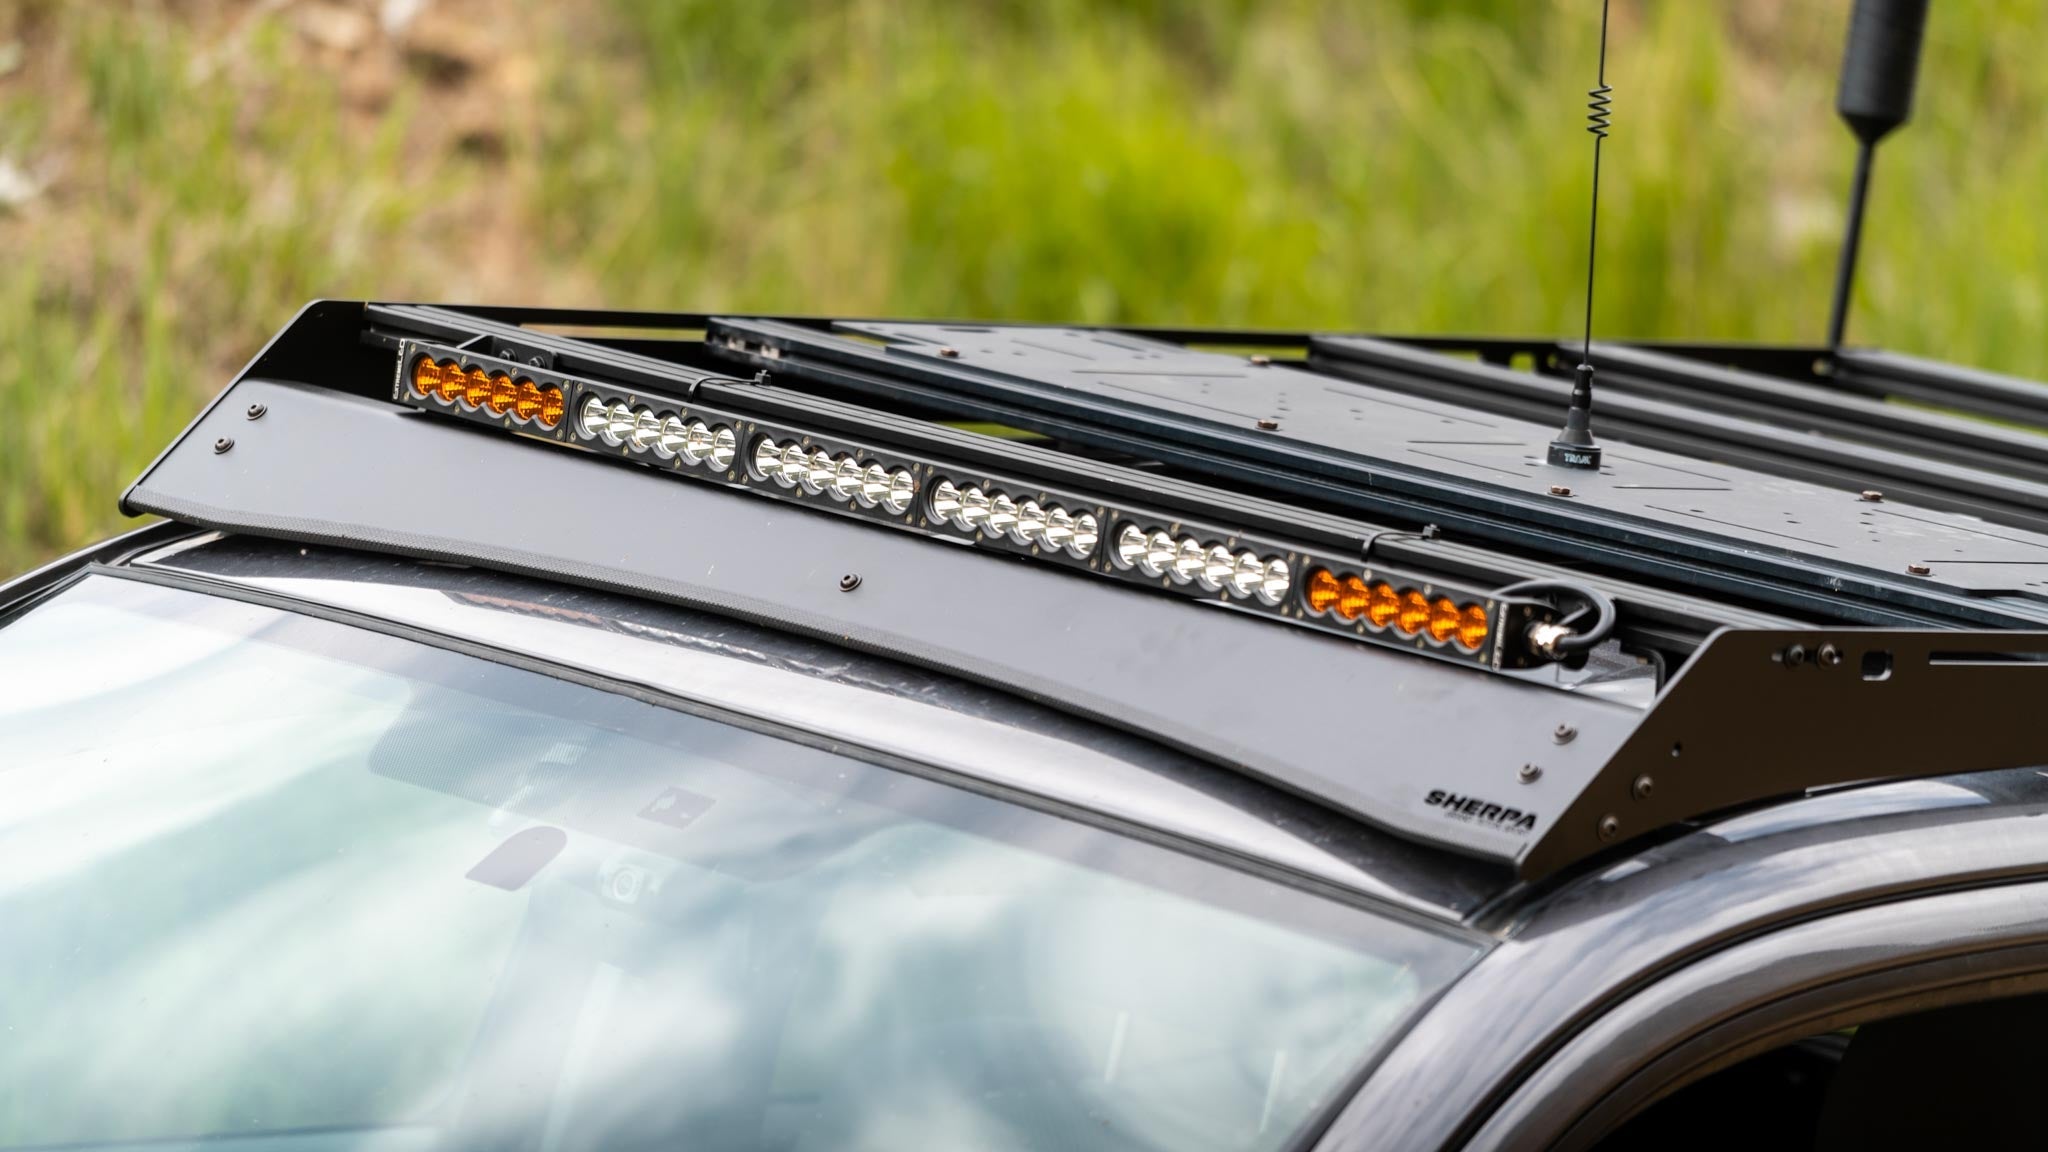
(1795, 656)
(256, 411)
(849, 582)
(1260, 361)
(1828, 656)
(1610, 827)
(222, 445)
(1565, 734)
(950, 352)
(1919, 569)
(1642, 787)
(1268, 424)
(1529, 774)
(1872, 496)
(1560, 490)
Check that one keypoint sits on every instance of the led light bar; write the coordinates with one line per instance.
(971, 506)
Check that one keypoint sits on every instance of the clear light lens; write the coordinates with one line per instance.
(594, 419)
(1131, 546)
(1002, 515)
(1247, 575)
(1059, 529)
(1087, 533)
(796, 464)
(1030, 523)
(725, 447)
(673, 436)
(1188, 558)
(618, 423)
(1217, 565)
(945, 502)
(699, 441)
(1277, 582)
(1158, 557)
(973, 509)
(902, 490)
(820, 471)
(845, 478)
(767, 454)
(874, 484)
(646, 430)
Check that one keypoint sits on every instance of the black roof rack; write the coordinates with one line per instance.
(1796, 633)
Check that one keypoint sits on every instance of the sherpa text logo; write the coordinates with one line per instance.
(1472, 808)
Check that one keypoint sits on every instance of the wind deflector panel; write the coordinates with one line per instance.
(1383, 735)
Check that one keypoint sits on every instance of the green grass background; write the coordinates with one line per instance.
(1385, 165)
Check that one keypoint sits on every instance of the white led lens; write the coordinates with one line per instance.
(1158, 554)
(1059, 529)
(619, 424)
(725, 447)
(1131, 546)
(1086, 533)
(796, 464)
(673, 437)
(874, 484)
(1217, 565)
(1274, 590)
(594, 419)
(1248, 575)
(845, 478)
(820, 472)
(973, 509)
(766, 456)
(646, 430)
(1002, 515)
(945, 502)
(1030, 523)
(1188, 559)
(902, 490)
(698, 442)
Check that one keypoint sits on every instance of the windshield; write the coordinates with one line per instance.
(274, 878)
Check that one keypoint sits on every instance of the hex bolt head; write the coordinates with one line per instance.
(1642, 788)
(256, 411)
(1260, 361)
(1610, 827)
(949, 352)
(1560, 490)
(1919, 569)
(849, 582)
(1872, 496)
(1529, 774)
(1564, 734)
(1828, 656)
(222, 445)
(1795, 656)
(1268, 424)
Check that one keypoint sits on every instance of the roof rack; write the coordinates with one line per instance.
(1748, 594)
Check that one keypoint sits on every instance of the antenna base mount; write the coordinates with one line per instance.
(1574, 446)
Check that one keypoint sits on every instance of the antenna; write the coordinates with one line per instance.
(1878, 71)
(1574, 446)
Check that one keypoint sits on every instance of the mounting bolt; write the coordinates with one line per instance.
(1529, 774)
(1260, 361)
(1560, 490)
(222, 445)
(1565, 734)
(950, 352)
(1610, 827)
(256, 411)
(1268, 424)
(1828, 656)
(1873, 496)
(1919, 570)
(1642, 788)
(1795, 656)
(849, 582)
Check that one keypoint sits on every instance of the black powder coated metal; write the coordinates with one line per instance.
(1990, 395)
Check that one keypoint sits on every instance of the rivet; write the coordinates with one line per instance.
(1610, 827)
(1565, 734)
(1919, 570)
(1642, 787)
(1560, 490)
(222, 445)
(950, 353)
(849, 582)
(1795, 655)
(1268, 424)
(1873, 496)
(256, 411)
(1529, 774)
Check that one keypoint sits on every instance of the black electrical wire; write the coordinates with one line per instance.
(1580, 640)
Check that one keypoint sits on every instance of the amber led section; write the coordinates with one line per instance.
(1443, 621)
(1321, 590)
(502, 395)
(1385, 605)
(1472, 626)
(476, 387)
(526, 400)
(550, 407)
(1352, 597)
(426, 377)
(1414, 615)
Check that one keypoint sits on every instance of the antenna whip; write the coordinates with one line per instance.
(1574, 446)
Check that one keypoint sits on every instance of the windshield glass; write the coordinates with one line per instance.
(274, 878)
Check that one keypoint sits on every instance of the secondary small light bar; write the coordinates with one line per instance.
(1300, 585)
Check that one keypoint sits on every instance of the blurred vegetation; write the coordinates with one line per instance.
(177, 176)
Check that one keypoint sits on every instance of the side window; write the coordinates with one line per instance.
(1951, 1077)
